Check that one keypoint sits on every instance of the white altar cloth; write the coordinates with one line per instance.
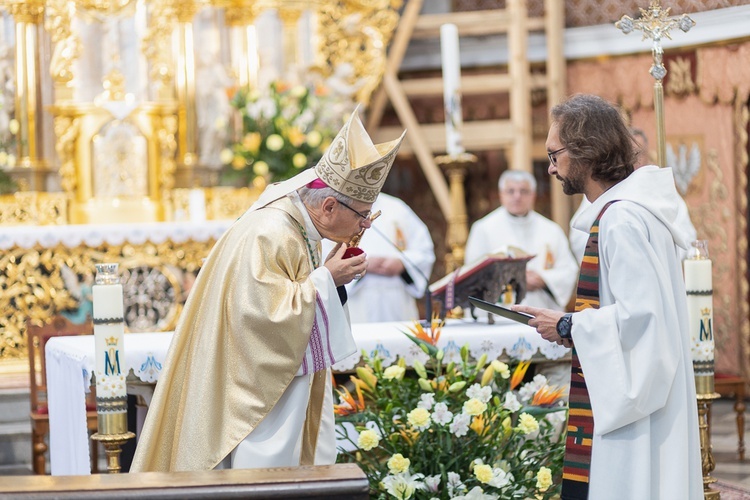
(70, 363)
(93, 235)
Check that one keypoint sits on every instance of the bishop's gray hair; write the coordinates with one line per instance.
(517, 176)
(314, 197)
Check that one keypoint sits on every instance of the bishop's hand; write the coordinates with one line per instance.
(344, 270)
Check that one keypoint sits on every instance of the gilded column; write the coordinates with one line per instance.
(185, 84)
(290, 17)
(28, 16)
(244, 43)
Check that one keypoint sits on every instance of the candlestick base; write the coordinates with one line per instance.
(707, 458)
(113, 447)
(455, 167)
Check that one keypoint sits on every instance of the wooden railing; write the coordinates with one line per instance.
(340, 481)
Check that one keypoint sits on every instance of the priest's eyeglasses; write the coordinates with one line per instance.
(365, 215)
(552, 155)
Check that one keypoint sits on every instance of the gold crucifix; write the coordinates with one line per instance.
(655, 23)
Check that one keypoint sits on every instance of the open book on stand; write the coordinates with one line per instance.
(487, 278)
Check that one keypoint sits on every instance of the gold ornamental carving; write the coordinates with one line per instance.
(26, 11)
(39, 283)
(67, 46)
(356, 33)
(742, 118)
(157, 44)
(680, 81)
(66, 131)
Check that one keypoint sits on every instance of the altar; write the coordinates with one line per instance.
(70, 364)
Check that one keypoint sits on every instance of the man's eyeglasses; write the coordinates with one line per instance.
(552, 155)
(365, 215)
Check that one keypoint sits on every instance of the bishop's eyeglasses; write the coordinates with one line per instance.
(365, 215)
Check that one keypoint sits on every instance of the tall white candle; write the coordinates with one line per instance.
(450, 58)
(699, 288)
(109, 333)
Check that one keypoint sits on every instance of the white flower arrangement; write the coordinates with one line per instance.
(460, 430)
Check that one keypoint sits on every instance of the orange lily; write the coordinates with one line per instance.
(518, 374)
(349, 405)
(433, 335)
(546, 396)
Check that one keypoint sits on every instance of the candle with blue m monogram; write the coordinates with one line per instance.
(699, 288)
(109, 332)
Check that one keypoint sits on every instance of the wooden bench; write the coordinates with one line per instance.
(340, 481)
(734, 386)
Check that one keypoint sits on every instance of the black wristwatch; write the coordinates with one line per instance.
(564, 326)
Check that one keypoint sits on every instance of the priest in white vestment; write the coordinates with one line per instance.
(551, 275)
(633, 342)
(246, 382)
(400, 255)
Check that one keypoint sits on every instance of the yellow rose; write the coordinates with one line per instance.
(3, 157)
(238, 162)
(296, 137)
(11, 161)
(418, 417)
(398, 464)
(543, 479)
(251, 142)
(501, 368)
(274, 142)
(260, 168)
(368, 439)
(527, 424)
(13, 126)
(299, 160)
(474, 406)
(226, 156)
(394, 372)
(314, 139)
(483, 473)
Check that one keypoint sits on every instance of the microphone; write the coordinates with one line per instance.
(427, 292)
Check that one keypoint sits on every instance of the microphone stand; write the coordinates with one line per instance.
(427, 293)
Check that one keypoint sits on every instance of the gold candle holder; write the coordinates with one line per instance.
(455, 167)
(707, 459)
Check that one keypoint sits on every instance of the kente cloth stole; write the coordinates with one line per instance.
(577, 463)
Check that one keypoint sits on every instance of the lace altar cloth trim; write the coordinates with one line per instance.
(94, 235)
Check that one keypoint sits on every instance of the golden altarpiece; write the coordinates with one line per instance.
(117, 112)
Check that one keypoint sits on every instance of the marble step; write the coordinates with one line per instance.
(14, 405)
(15, 444)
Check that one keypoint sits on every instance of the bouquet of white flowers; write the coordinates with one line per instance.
(462, 430)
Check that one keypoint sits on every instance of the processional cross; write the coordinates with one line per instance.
(655, 23)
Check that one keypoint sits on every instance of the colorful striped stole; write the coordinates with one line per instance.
(577, 463)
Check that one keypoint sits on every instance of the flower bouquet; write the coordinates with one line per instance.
(281, 131)
(462, 430)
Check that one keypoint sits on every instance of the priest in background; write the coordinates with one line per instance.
(552, 273)
(633, 420)
(400, 255)
(246, 382)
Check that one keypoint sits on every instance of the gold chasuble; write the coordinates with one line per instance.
(237, 346)
(251, 319)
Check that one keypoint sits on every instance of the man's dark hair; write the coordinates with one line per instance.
(596, 137)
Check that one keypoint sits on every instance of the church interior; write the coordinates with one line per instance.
(132, 132)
